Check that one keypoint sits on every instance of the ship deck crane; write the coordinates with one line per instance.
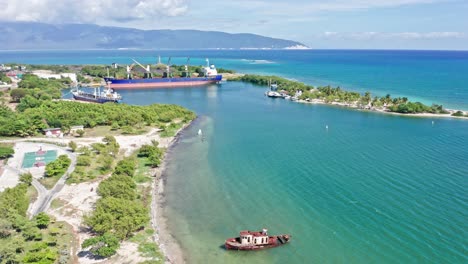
(129, 71)
(147, 69)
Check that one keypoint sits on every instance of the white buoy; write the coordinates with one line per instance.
(432, 123)
(199, 132)
(326, 127)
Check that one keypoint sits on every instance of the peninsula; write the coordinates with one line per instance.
(304, 93)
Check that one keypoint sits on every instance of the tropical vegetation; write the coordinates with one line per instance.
(330, 94)
(39, 240)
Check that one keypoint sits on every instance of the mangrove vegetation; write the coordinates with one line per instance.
(336, 95)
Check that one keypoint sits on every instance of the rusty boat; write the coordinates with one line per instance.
(252, 240)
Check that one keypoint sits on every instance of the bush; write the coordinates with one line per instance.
(72, 145)
(119, 216)
(6, 152)
(26, 178)
(42, 220)
(80, 132)
(118, 186)
(58, 167)
(458, 113)
(126, 167)
(83, 160)
(102, 246)
(13, 201)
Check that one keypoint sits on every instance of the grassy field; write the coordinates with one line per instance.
(49, 182)
(101, 131)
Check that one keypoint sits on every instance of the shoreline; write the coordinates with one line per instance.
(167, 243)
(383, 111)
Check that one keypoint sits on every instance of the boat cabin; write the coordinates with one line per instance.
(254, 238)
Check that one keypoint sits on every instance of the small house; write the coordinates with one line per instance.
(53, 132)
(73, 129)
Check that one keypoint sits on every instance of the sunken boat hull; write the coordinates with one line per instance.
(238, 243)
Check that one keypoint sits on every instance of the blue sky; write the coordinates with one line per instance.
(377, 24)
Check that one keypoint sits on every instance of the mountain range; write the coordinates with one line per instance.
(33, 35)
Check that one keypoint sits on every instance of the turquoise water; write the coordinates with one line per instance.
(373, 188)
(427, 76)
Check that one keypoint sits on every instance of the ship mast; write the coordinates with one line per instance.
(168, 68)
(187, 68)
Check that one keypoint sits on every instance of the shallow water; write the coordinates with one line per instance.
(371, 188)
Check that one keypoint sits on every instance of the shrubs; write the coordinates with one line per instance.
(13, 201)
(33, 112)
(42, 220)
(22, 240)
(118, 186)
(26, 178)
(126, 167)
(458, 113)
(72, 145)
(103, 246)
(58, 167)
(6, 151)
(152, 153)
(118, 216)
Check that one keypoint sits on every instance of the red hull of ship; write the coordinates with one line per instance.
(117, 86)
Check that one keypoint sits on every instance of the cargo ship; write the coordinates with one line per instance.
(106, 96)
(167, 81)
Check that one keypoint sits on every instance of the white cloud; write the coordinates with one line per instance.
(63, 11)
(393, 35)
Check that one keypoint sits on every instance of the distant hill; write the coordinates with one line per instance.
(31, 35)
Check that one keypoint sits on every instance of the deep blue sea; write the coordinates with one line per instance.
(372, 188)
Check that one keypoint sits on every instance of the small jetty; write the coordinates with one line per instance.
(249, 240)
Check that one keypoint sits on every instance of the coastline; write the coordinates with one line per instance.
(167, 243)
(383, 111)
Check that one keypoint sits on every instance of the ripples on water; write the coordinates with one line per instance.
(371, 188)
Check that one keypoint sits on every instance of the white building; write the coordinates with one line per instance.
(49, 74)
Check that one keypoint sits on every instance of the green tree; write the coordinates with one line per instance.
(80, 132)
(26, 178)
(17, 94)
(9, 249)
(58, 166)
(83, 160)
(6, 228)
(118, 186)
(42, 220)
(6, 152)
(126, 167)
(119, 216)
(72, 145)
(103, 246)
(13, 201)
